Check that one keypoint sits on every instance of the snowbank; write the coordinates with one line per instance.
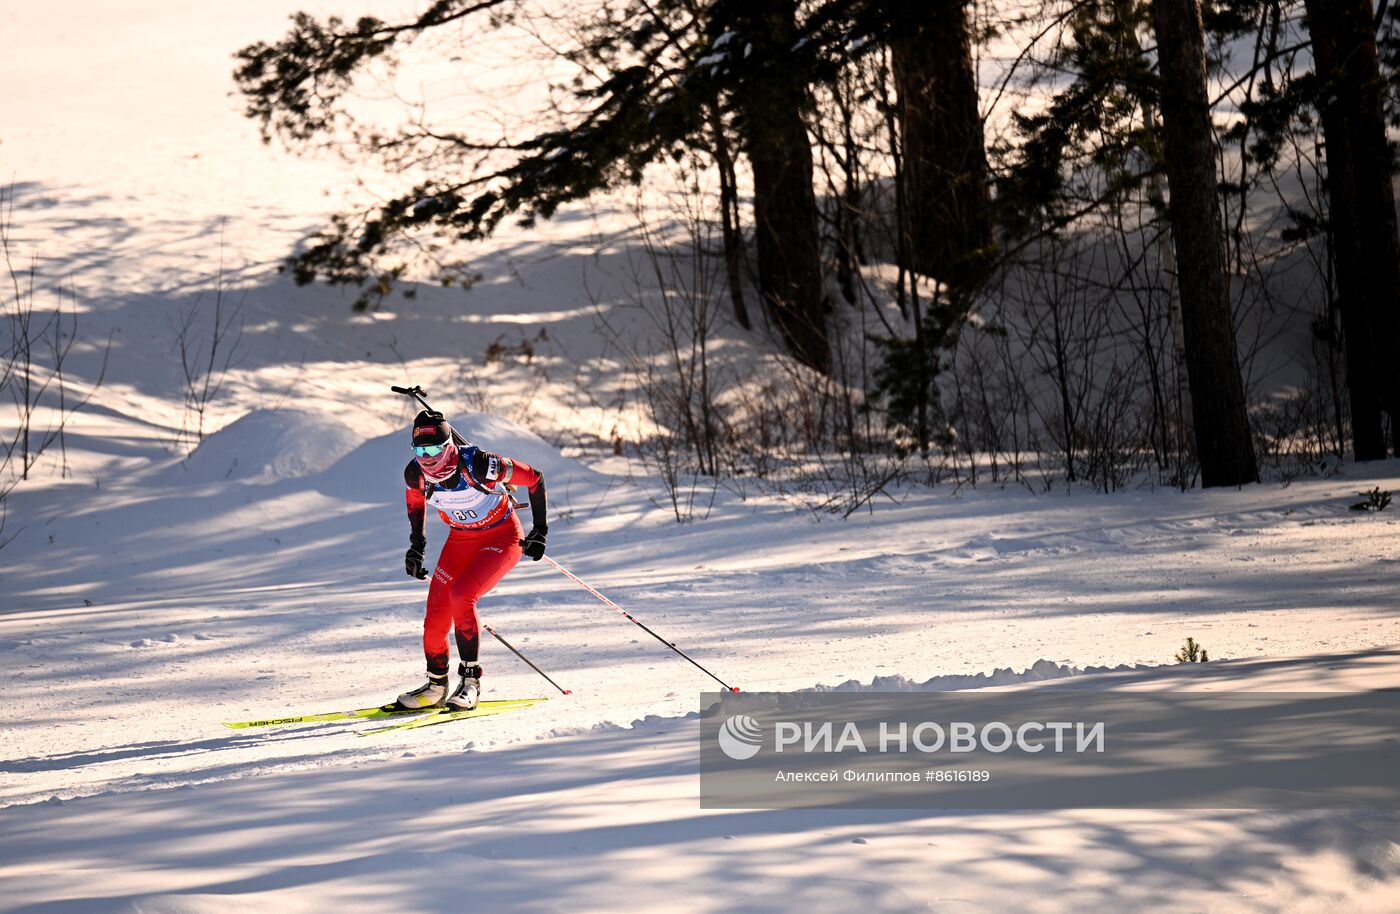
(266, 445)
(269, 445)
(1039, 671)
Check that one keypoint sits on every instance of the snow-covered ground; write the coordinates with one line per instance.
(154, 594)
(254, 597)
(581, 822)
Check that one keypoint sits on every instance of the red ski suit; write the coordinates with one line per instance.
(484, 543)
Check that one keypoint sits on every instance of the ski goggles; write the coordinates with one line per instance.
(428, 450)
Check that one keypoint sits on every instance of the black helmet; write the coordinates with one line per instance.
(429, 427)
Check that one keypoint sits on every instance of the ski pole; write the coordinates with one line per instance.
(630, 618)
(510, 647)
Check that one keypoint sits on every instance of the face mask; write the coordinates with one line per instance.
(439, 466)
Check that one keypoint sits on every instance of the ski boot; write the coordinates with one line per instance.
(431, 694)
(468, 693)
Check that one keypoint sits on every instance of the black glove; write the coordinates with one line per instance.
(413, 561)
(533, 543)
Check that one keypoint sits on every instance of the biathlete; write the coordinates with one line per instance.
(467, 486)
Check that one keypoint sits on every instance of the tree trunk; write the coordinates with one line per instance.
(770, 106)
(1182, 403)
(1361, 211)
(945, 160)
(1218, 414)
(729, 222)
(848, 228)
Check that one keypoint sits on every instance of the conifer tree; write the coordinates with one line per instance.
(1223, 442)
(1350, 93)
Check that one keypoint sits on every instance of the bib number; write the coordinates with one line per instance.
(464, 516)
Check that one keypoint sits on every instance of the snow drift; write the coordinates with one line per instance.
(266, 445)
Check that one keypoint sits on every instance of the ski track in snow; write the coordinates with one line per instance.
(152, 805)
(577, 821)
(147, 598)
(263, 595)
(282, 596)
